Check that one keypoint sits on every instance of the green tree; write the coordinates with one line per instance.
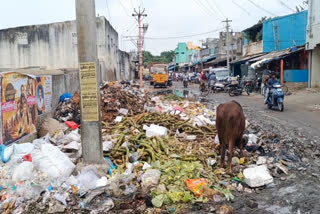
(165, 57)
(168, 55)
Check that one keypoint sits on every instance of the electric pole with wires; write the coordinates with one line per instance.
(227, 41)
(140, 14)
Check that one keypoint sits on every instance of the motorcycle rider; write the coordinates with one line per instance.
(204, 79)
(212, 79)
(185, 77)
(270, 89)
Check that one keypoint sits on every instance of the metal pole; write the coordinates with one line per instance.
(227, 38)
(140, 51)
(140, 15)
(89, 78)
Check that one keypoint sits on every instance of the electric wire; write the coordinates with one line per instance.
(108, 10)
(242, 8)
(261, 8)
(178, 37)
(202, 8)
(210, 12)
(214, 10)
(123, 7)
(286, 6)
(218, 8)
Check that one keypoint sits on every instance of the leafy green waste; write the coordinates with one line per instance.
(174, 174)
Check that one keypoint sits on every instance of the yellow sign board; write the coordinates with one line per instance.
(89, 92)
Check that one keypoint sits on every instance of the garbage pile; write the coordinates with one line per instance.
(161, 154)
(116, 99)
(68, 108)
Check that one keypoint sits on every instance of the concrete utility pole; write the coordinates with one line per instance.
(227, 38)
(140, 14)
(88, 75)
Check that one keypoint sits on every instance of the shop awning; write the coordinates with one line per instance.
(205, 60)
(242, 60)
(172, 67)
(275, 55)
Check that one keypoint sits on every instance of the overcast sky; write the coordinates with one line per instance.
(166, 18)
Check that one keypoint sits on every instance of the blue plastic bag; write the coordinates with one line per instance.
(65, 96)
(3, 158)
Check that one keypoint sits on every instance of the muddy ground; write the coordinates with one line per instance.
(298, 129)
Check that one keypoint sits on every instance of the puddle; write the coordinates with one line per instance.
(181, 93)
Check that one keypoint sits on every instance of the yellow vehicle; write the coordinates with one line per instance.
(160, 75)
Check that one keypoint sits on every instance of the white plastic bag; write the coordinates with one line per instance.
(21, 150)
(23, 172)
(72, 136)
(252, 139)
(150, 178)
(88, 179)
(50, 160)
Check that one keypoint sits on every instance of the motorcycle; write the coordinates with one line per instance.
(218, 87)
(276, 97)
(204, 88)
(257, 85)
(185, 82)
(235, 90)
(248, 86)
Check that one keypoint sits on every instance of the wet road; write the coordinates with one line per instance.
(296, 116)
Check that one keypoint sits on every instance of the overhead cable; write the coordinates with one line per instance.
(261, 8)
(202, 8)
(242, 8)
(286, 6)
(108, 11)
(124, 8)
(218, 8)
(210, 12)
(178, 37)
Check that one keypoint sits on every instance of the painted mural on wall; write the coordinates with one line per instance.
(44, 94)
(18, 106)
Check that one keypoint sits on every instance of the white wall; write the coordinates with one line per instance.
(315, 65)
(54, 46)
(313, 41)
(313, 29)
(253, 48)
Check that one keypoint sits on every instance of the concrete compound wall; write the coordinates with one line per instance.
(63, 81)
(315, 67)
(124, 64)
(54, 46)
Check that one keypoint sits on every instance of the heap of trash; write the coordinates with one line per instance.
(160, 153)
(114, 98)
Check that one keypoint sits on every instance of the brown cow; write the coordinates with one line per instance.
(230, 122)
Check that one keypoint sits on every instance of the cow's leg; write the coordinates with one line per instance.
(241, 147)
(222, 153)
(231, 145)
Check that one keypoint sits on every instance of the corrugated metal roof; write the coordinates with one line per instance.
(247, 58)
(277, 54)
(259, 61)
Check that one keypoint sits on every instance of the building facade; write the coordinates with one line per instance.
(54, 46)
(285, 32)
(313, 42)
(183, 51)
